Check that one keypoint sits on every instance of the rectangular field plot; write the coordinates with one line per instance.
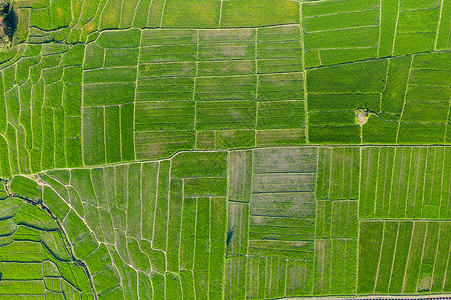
(337, 93)
(280, 114)
(336, 219)
(286, 86)
(276, 65)
(235, 277)
(120, 74)
(226, 67)
(279, 49)
(108, 93)
(360, 78)
(280, 228)
(255, 277)
(338, 173)
(427, 100)
(93, 135)
(225, 88)
(403, 257)
(155, 37)
(107, 134)
(425, 112)
(200, 14)
(419, 133)
(237, 228)
(161, 144)
(285, 160)
(225, 72)
(225, 139)
(336, 32)
(282, 208)
(166, 69)
(405, 182)
(443, 34)
(167, 65)
(285, 249)
(280, 137)
(223, 115)
(174, 51)
(240, 176)
(288, 195)
(416, 29)
(255, 13)
(121, 57)
(165, 115)
(168, 53)
(398, 71)
(279, 42)
(226, 44)
(335, 267)
(388, 15)
(165, 88)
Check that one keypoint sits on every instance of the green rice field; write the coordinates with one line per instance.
(225, 149)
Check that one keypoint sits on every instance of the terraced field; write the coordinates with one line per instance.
(225, 149)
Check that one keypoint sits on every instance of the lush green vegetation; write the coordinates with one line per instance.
(35, 259)
(286, 221)
(236, 149)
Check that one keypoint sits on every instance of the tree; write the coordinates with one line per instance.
(9, 20)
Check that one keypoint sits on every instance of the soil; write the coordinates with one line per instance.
(362, 116)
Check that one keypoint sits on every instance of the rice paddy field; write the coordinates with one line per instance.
(225, 149)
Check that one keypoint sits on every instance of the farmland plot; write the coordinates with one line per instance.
(40, 96)
(412, 36)
(280, 93)
(153, 149)
(287, 191)
(335, 266)
(252, 13)
(337, 173)
(335, 93)
(337, 32)
(426, 100)
(403, 256)
(281, 222)
(34, 258)
(109, 86)
(164, 117)
(218, 89)
(93, 96)
(263, 223)
(160, 220)
(336, 224)
(405, 182)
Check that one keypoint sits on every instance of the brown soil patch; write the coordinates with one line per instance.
(361, 116)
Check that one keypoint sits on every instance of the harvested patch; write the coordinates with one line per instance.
(361, 116)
